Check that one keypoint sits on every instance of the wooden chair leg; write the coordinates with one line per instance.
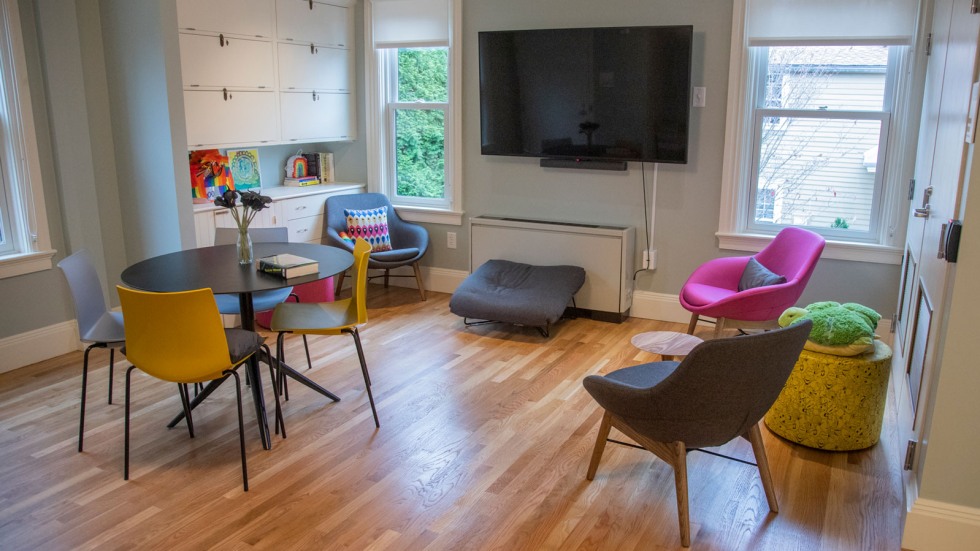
(693, 324)
(754, 436)
(387, 273)
(418, 278)
(680, 482)
(340, 283)
(600, 445)
(719, 328)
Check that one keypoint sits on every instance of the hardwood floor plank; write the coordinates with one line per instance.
(486, 434)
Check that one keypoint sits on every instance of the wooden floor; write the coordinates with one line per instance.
(485, 438)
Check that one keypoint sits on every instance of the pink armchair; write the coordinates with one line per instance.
(712, 290)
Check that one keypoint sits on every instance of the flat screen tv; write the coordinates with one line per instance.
(596, 94)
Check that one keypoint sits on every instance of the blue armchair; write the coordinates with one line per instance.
(408, 241)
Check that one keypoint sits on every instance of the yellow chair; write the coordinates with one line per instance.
(330, 318)
(178, 337)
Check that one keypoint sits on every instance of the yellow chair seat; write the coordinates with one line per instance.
(833, 402)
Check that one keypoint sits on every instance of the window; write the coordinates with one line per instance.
(417, 102)
(24, 241)
(817, 125)
(821, 111)
(413, 118)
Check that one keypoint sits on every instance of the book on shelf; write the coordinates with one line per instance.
(288, 265)
(301, 181)
(321, 164)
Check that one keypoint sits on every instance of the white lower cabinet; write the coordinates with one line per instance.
(301, 210)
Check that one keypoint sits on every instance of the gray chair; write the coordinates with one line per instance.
(719, 392)
(263, 300)
(409, 241)
(96, 324)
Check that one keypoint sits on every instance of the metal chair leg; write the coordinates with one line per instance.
(185, 402)
(241, 425)
(364, 371)
(309, 362)
(81, 415)
(281, 357)
(274, 376)
(129, 373)
(112, 361)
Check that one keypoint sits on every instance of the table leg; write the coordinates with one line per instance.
(254, 373)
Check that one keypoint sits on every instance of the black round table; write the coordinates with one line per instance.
(217, 268)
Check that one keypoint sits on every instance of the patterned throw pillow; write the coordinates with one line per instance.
(370, 225)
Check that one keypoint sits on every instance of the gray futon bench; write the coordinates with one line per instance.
(522, 294)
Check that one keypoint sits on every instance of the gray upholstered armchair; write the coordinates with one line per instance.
(408, 241)
(719, 392)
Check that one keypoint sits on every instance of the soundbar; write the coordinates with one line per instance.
(589, 164)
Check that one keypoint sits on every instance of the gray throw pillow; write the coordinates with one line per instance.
(757, 275)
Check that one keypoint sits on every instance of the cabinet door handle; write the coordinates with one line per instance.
(311, 4)
(221, 40)
(312, 49)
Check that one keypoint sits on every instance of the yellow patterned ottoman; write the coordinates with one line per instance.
(833, 402)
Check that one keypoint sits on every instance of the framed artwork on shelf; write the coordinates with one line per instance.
(244, 165)
(210, 175)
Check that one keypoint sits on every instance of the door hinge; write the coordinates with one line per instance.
(975, 6)
(911, 188)
(909, 455)
(929, 45)
(894, 322)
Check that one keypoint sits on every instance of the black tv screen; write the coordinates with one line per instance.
(610, 93)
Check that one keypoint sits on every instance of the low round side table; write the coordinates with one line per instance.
(666, 343)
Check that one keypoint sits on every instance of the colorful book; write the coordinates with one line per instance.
(288, 265)
(301, 181)
(321, 164)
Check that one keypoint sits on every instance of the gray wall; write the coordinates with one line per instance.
(116, 111)
(687, 196)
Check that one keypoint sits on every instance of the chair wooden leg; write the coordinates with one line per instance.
(600, 445)
(418, 278)
(340, 283)
(387, 273)
(693, 324)
(754, 436)
(719, 328)
(680, 483)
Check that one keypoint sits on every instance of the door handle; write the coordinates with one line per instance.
(923, 212)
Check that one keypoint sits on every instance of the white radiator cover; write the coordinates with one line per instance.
(605, 252)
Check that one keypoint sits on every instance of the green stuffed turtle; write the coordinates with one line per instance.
(839, 329)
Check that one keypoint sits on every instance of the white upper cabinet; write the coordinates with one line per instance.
(313, 116)
(217, 118)
(221, 62)
(311, 22)
(255, 18)
(311, 67)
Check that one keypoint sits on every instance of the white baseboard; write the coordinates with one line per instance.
(37, 345)
(934, 525)
(658, 306)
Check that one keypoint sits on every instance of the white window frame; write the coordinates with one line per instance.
(20, 167)
(381, 83)
(884, 243)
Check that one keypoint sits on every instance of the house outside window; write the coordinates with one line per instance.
(822, 110)
(821, 122)
(413, 116)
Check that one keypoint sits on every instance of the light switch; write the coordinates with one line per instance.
(699, 92)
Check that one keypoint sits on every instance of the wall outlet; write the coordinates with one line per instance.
(650, 259)
(451, 240)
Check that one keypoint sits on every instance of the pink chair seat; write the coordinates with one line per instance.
(712, 290)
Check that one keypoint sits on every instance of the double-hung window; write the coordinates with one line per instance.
(24, 240)
(819, 113)
(413, 122)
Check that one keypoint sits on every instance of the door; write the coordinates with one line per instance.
(940, 163)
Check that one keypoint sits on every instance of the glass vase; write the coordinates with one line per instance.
(244, 247)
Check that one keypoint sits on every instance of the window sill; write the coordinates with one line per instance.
(837, 250)
(26, 263)
(430, 216)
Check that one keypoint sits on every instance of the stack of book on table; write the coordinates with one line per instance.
(287, 265)
(301, 181)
